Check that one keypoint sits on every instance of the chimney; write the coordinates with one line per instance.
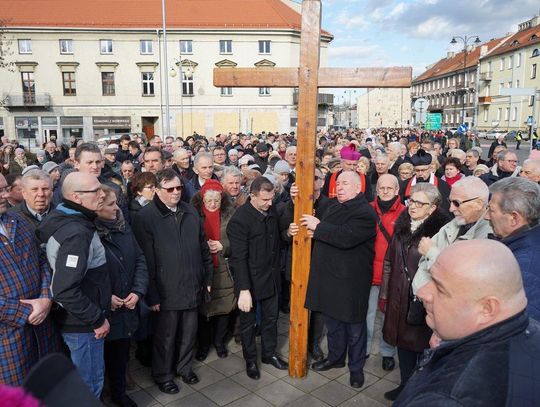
(450, 54)
(483, 50)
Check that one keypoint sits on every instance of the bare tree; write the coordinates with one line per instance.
(5, 53)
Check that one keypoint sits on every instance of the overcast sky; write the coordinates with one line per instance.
(413, 33)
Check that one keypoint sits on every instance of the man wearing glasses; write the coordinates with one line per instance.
(80, 283)
(468, 203)
(506, 166)
(180, 269)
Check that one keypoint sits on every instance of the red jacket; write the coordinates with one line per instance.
(381, 244)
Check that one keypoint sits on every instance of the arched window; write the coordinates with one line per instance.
(535, 53)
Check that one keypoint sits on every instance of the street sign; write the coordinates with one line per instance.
(433, 121)
(462, 128)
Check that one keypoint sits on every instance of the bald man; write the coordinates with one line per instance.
(341, 273)
(80, 283)
(490, 349)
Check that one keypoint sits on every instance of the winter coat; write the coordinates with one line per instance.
(22, 209)
(444, 238)
(342, 261)
(395, 287)
(24, 274)
(497, 366)
(80, 283)
(177, 255)
(255, 251)
(388, 219)
(128, 274)
(495, 174)
(525, 246)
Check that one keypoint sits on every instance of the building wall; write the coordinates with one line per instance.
(384, 107)
(206, 111)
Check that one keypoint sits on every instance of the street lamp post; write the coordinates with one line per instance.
(165, 57)
(465, 39)
(350, 91)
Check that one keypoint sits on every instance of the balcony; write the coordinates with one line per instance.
(486, 76)
(484, 100)
(323, 98)
(28, 100)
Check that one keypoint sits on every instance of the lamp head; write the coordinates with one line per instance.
(453, 42)
(477, 40)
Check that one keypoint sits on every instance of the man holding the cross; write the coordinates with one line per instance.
(342, 268)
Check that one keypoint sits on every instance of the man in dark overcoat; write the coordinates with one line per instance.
(341, 274)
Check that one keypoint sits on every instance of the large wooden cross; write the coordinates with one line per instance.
(308, 78)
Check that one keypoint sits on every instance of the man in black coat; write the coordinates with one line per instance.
(488, 355)
(341, 273)
(180, 269)
(254, 236)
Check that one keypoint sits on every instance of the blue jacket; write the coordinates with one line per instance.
(498, 366)
(525, 245)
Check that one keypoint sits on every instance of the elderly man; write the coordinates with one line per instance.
(507, 166)
(489, 350)
(25, 299)
(382, 163)
(531, 170)
(468, 203)
(231, 179)
(80, 283)
(343, 241)
(514, 211)
(254, 236)
(392, 151)
(203, 166)
(172, 238)
(37, 190)
(182, 164)
(388, 207)
(471, 160)
(52, 153)
(290, 157)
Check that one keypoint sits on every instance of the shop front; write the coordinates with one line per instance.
(71, 126)
(27, 131)
(104, 125)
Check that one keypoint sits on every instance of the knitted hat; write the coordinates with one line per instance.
(29, 168)
(49, 166)
(211, 185)
(282, 166)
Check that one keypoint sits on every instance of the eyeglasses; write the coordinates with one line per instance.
(91, 191)
(172, 189)
(417, 204)
(457, 203)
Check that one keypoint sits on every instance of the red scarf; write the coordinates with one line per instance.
(453, 180)
(332, 193)
(212, 228)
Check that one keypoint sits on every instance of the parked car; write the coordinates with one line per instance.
(492, 135)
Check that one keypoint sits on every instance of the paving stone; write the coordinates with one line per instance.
(253, 385)
(369, 379)
(251, 400)
(308, 401)
(377, 390)
(143, 399)
(282, 347)
(307, 384)
(334, 393)
(394, 375)
(280, 393)
(361, 400)
(193, 400)
(335, 373)
(142, 377)
(230, 365)
(273, 371)
(207, 375)
(374, 366)
(224, 392)
(165, 398)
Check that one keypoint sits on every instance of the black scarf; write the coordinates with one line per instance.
(386, 205)
(105, 227)
(79, 208)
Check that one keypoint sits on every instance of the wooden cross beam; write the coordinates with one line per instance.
(308, 78)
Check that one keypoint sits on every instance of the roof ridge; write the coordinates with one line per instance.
(272, 4)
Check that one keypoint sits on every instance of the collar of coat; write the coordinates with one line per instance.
(164, 210)
(428, 228)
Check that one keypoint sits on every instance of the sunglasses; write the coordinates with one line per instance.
(172, 189)
(457, 203)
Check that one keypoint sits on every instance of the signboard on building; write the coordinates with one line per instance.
(71, 121)
(49, 121)
(433, 121)
(111, 122)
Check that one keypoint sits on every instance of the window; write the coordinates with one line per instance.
(486, 111)
(501, 67)
(107, 83)
(187, 84)
(509, 62)
(225, 47)
(28, 87)
(66, 46)
(489, 67)
(499, 113)
(25, 46)
(146, 47)
(148, 84)
(186, 47)
(514, 113)
(264, 47)
(264, 91)
(533, 71)
(531, 100)
(507, 113)
(501, 87)
(535, 53)
(517, 83)
(226, 91)
(68, 80)
(518, 60)
(105, 46)
(509, 85)
(471, 98)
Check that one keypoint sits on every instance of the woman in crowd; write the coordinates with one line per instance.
(143, 187)
(452, 174)
(406, 171)
(421, 219)
(215, 208)
(129, 281)
(363, 165)
(19, 162)
(412, 149)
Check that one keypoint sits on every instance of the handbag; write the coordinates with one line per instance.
(416, 313)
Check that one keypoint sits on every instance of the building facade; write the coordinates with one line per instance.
(86, 73)
(384, 107)
(515, 64)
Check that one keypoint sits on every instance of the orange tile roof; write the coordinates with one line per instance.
(125, 14)
(449, 65)
(519, 40)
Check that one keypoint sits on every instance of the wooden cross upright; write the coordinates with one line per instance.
(308, 78)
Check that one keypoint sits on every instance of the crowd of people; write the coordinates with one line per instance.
(174, 246)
